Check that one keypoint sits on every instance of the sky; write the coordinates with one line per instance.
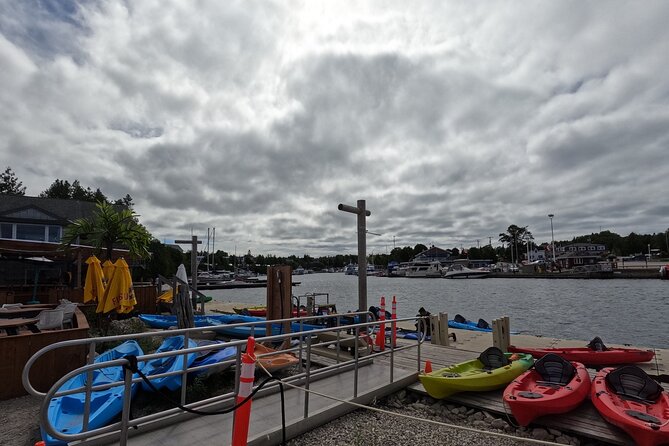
(451, 119)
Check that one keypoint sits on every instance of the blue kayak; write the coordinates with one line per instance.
(168, 364)
(258, 331)
(167, 321)
(215, 358)
(66, 413)
(471, 325)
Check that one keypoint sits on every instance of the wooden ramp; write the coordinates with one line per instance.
(265, 426)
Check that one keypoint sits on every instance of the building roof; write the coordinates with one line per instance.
(433, 253)
(19, 206)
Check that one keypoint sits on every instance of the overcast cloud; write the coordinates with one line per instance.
(452, 119)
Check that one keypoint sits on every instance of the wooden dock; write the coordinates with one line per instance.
(585, 421)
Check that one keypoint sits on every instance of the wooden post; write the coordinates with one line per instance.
(362, 214)
(193, 268)
(279, 292)
(507, 327)
(443, 328)
(496, 342)
(434, 328)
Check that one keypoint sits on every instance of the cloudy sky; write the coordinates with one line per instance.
(452, 119)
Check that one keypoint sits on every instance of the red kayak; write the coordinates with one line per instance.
(588, 356)
(262, 311)
(553, 386)
(630, 399)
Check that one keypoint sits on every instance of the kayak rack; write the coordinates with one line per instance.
(350, 365)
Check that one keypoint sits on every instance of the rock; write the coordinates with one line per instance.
(401, 394)
(555, 432)
(480, 424)
(477, 416)
(470, 412)
(451, 406)
(455, 411)
(498, 423)
(562, 440)
(539, 433)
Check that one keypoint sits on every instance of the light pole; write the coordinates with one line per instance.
(552, 237)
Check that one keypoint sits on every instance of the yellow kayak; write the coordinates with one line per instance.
(492, 370)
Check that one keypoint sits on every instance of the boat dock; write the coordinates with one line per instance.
(329, 380)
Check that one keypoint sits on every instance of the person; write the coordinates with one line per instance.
(423, 327)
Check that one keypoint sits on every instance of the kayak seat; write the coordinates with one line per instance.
(632, 382)
(555, 369)
(460, 319)
(597, 345)
(493, 358)
(483, 324)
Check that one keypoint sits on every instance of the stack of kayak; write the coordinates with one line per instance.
(463, 323)
(625, 396)
(221, 324)
(66, 413)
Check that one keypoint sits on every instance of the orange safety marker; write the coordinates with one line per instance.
(40, 443)
(428, 366)
(394, 324)
(240, 429)
(381, 336)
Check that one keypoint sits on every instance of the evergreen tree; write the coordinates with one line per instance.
(10, 184)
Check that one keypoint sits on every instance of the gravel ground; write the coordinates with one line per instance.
(19, 421)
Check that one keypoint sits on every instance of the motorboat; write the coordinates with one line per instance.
(423, 269)
(458, 271)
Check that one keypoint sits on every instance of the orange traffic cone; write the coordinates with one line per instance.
(428, 366)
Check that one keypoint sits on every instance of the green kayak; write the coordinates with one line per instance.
(492, 370)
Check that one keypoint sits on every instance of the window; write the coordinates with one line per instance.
(54, 234)
(30, 232)
(6, 230)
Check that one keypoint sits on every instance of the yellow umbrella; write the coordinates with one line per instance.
(119, 294)
(107, 270)
(94, 287)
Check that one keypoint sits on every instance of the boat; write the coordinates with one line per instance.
(458, 271)
(553, 386)
(630, 399)
(168, 364)
(274, 360)
(492, 370)
(349, 269)
(423, 269)
(595, 354)
(218, 359)
(66, 413)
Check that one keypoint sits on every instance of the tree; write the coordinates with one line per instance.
(514, 235)
(109, 227)
(64, 190)
(10, 184)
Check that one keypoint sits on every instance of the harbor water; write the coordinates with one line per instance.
(619, 311)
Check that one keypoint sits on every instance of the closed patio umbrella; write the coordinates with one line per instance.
(94, 287)
(119, 294)
(107, 271)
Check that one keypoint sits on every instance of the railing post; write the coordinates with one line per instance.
(125, 415)
(307, 378)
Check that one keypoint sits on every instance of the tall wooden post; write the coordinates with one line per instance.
(362, 214)
(279, 293)
(193, 268)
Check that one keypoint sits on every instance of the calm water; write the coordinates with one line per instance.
(619, 311)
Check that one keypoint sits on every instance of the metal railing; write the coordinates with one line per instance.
(118, 431)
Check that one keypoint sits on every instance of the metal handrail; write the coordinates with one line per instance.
(228, 398)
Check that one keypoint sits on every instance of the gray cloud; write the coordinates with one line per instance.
(452, 121)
